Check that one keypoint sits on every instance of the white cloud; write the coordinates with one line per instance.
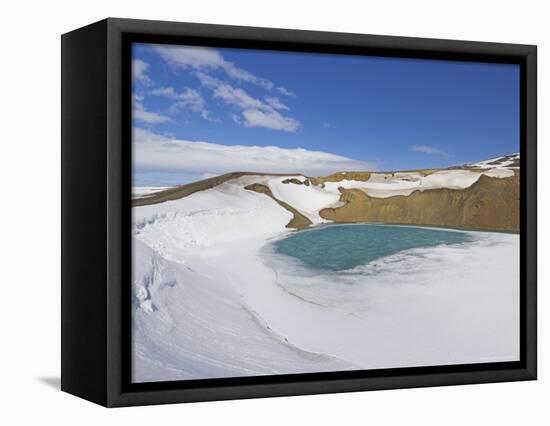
(254, 112)
(139, 70)
(204, 58)
(149, 117)
(275, 103)
(187, 56)
(153, 152)
(237, 119)
(169, 92)
(430, 150)
(187, 99)
(141, 114)
(270, 120)
(240, 74)
(285, 92)
(231, 95)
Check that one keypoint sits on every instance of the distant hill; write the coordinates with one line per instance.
(511, 160)
(482, 195)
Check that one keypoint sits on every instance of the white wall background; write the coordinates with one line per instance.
(30, 200)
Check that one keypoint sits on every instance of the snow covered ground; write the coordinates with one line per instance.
(209, 301)
(140, 191)
(502, 162)
(191, 322)
(383, 185)
(308, 200)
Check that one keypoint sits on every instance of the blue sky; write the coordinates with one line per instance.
(202, 107)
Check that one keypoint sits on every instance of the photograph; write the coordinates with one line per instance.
(300, 212)
(275, 214)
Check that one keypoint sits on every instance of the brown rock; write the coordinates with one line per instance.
(299, 221)
(337, 177)
(489, 204)
(294, 181)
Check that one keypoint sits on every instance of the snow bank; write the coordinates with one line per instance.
(208, 219)
(308, 200)
(190, 322)
(383, 185)
(232, 311)
(498, 162)
(499, 172)
(443, 305)
(140, 191)
(374, 187)
(208, 301)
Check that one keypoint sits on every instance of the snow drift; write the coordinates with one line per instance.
(211, 300)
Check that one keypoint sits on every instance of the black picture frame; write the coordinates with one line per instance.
(96, 206)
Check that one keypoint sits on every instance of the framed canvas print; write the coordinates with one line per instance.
(252, 212)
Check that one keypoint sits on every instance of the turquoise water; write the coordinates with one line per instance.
(341, 247)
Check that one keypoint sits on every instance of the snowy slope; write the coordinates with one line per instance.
(308, 200)
(383, 185)
(190, 319)
(208, 219)
(504, 161)
(140, 191)
(192, 323)
(226, 309)
(211, 300)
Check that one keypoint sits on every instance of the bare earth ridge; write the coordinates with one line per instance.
(299, 221)
(183, 191)
(489, 204)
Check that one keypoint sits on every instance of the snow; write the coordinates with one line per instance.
(140, 191)
(383, 185)
(497, 162)
(210, 301)
(209, 218)
(308, 200)
(374, 187)
(402, 312)
(195, 324)
(499, 172)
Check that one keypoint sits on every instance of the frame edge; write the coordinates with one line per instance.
(83, 213)
(117, 396)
